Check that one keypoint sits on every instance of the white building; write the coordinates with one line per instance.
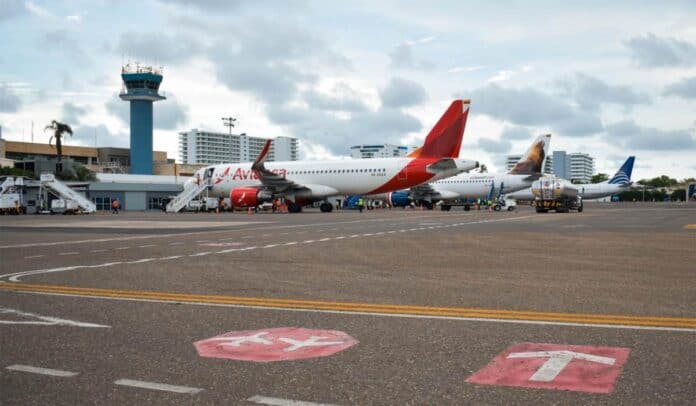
(204, 147)
(512, 160)
(377, 151)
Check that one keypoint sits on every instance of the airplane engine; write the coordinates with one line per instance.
(399, 198)
(248, 197)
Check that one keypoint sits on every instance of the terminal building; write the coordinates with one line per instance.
(40, 158)
(206, 148)
(378, 151)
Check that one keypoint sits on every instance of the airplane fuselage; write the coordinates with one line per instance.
(332, 178)
(479, 186)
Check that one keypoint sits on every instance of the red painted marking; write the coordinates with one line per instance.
(581, 375)
(413, 174)
(275, 344)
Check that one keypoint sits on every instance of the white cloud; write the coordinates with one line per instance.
(459, 69)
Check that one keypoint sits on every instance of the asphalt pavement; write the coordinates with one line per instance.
(384, 307)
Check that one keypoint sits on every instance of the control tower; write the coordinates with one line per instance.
(140, 88)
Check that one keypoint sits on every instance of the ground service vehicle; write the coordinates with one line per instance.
(553, 193)
(64, 206)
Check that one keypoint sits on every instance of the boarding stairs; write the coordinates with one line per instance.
(7, 186)
(63, 191)
(185, 197)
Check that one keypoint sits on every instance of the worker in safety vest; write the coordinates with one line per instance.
(361, 204)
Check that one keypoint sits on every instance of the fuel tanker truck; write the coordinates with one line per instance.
(553, 193)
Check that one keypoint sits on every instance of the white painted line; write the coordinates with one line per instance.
(367, 234)
(200, 254)
(98, 251)
(324, 239)
(176, 243)
(171, 257)
(140, 261)
(43, 320)
(69, 253)
(121, 248)
(157, 386)
(340, 237)
(265, 400)
(290, 243)
(403, 316)
(270, 246)
(34, 256)
(209, 232)
(147, 245)
(14, 277)
(42, 371)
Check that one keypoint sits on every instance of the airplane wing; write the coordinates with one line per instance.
(423, 191)
(272, 181)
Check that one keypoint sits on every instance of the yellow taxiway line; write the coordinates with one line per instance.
(366, 308)
(690, 226)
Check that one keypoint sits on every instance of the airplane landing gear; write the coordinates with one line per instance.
(294, 208)
(326, 207)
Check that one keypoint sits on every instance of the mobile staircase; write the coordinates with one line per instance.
(185, 197)
(63, 191)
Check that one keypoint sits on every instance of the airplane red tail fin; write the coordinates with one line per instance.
(445, 139)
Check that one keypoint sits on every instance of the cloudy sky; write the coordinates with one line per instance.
(607, 78)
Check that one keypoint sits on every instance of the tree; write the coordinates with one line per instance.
(599, 178)
(659, 182)
(9, 171)
(59, 130)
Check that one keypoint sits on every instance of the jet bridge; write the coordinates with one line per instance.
(63, 191)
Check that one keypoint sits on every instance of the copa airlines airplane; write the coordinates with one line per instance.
(304, 182)
(617, 184)
(475, 186)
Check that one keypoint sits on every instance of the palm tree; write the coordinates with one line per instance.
(59, 129)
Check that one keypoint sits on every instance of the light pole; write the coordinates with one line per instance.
(229, 122)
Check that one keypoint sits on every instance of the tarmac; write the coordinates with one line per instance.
(430, 305)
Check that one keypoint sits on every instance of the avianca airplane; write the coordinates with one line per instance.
(617, 184)
(304, 182)
(475, 186)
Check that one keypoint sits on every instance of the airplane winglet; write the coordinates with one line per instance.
(258, 163)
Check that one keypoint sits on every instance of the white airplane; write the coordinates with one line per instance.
(617, 184)
(303, 182)
(478, 186)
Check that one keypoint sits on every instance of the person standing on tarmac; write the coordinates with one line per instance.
(361, 204)
(114, 206)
